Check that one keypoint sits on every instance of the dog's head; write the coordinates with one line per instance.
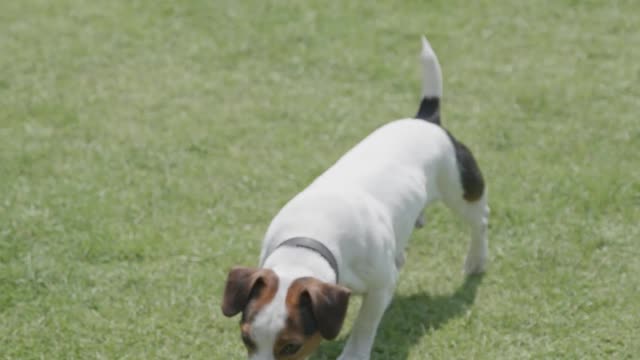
(283, 318)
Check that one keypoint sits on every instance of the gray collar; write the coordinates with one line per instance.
(313, 245)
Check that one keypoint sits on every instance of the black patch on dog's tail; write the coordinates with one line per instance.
(431, 85)
(470, 175)
(429, 110)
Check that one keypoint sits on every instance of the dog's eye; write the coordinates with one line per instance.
(290, 349)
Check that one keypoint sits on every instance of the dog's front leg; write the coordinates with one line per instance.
(363, 333)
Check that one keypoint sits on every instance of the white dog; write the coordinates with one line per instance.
(347, 232)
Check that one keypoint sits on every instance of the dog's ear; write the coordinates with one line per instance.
(244, 284)
(328, 304)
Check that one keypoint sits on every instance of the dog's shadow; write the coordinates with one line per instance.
(410, 318)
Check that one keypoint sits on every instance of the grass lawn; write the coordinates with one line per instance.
(145, 146)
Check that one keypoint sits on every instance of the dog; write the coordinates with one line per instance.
(347, 233)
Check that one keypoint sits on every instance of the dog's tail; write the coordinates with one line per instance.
(431, 85)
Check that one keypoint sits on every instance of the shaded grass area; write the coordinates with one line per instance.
(145, 145)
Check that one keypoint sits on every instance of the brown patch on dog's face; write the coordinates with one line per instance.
(313, 310)
(247, 286)
(248, 291)
(307, 302)
(245, 334)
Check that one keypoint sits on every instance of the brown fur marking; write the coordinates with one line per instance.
(248, 290)
(247, 286)
(294, 331)
(265, 295)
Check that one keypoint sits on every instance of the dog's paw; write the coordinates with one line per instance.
(475, 264)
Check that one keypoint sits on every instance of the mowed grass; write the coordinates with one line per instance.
(145, 146)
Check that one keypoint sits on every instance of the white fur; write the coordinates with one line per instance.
(431, 73)
(364, 209)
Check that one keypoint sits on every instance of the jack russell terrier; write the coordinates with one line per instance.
(347, 232)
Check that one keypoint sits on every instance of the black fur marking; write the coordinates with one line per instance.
(255, 292)
(429, 110)
(470, 174)
(309, 323)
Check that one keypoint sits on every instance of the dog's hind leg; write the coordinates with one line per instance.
(476, 215)
(469, 201)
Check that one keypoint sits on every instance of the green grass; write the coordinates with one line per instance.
(145, 146)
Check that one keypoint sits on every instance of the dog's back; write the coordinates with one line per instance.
(383, 183)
